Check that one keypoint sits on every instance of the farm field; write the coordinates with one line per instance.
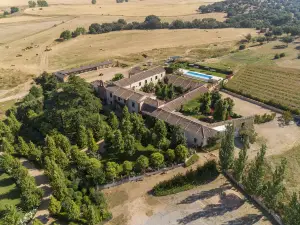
(9, 193)
(277, 85)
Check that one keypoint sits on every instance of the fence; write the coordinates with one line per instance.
(273, 217)
(137, 178)
(272, 108)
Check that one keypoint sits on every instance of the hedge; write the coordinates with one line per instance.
(192, 178)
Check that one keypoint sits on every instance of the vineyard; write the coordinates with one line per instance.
(275, 86)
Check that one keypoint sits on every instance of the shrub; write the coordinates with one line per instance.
(276, 56)
(94, 2)
(298, 56)
(183, 182)
(242, 47)
(42, 3)
(264, 118)
(117, 77)
(191, 160)
(66, 35)
(282, 55)
(14, 10)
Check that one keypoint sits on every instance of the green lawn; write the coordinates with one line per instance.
(4, 106)
(9, 192)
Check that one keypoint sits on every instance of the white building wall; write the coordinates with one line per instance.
(194, 139)
(133, 106)
(154, 79)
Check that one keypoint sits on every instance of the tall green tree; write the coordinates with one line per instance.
(113, 121)
(22, 147)
(92, 145)
(220, 113)
(99, 127)
(226, 153)
(127, 167)
(206, 103)
(112, 170)
(118, 144)
(71, 208)
(91, 215)
(157, 159)
(138, 126)
(181, 153)
(7, 147)
(177, 137)
(94, 2)
(82, 138)
(142, 163)
(11, 216)
(129, 145)
(170, 155)
(254, 180)
(5, 132)
(54, 206)
(291, 214)
(240, 164)
(13, 123)
(273, 190)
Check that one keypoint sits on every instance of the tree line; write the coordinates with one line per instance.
(39, 3)
(267, 186)
(279, 16)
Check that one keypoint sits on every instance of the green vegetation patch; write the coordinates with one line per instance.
(9, 192)
(192, 178)
(192, 160)
(274, 86)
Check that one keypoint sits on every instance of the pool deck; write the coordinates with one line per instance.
(201, 76)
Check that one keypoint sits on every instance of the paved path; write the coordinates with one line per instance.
(42, 182)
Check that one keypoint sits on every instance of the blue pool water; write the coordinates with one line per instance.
(198, 75)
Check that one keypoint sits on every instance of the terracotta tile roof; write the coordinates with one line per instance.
(140, 76)
(183, 82)
(125, 93)
(185, 123)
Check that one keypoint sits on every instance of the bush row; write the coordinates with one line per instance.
(264, 118)
(30, 195)
(190, 179)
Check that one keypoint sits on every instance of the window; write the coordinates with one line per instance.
(140, 83)
(133, 104)
(151, 78)
(111, 102)
(111, 95)
(118, 98)
(145, 81)
(155, 77)
(161, 75)
(195, 140)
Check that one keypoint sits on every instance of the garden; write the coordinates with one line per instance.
(210, 107)
(61, 137)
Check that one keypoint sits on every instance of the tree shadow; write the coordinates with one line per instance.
(12, 194)
(204, 194)
(47, 191)
(5, 182)
(245, 220)
(41, 179)
(238, 143)
(228, 203)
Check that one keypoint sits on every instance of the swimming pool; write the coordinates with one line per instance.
(199, 75)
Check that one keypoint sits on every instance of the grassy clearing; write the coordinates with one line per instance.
(292, 181)
(260, 83)
(9, 193)
(4, 106)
